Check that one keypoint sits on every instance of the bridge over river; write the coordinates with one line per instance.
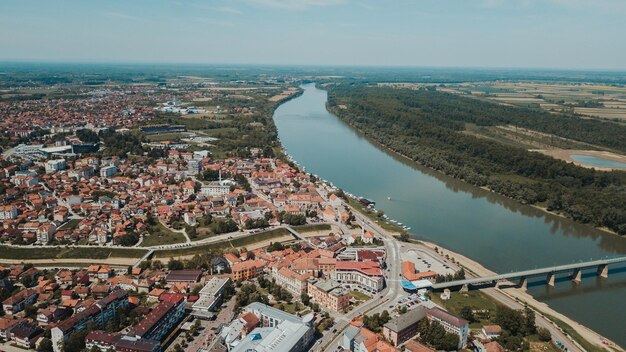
(522, 276)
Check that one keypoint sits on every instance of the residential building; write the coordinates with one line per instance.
(246, 270)
(194, 167)
(404, 327)
(108, 171)
(329, 294)
(98, 313)
(450, 323)
(290, 280)
(356, 338)
(55, 165)
(8, 212)
(19, 301)
(161, 319)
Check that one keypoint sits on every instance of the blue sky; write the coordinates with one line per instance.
(569, 34)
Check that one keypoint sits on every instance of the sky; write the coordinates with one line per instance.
(562, 34)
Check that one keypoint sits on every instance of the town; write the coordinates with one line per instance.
(165, 226)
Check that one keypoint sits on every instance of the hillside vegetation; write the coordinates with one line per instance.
(427, 126)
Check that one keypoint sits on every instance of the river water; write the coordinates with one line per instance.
(495, 231)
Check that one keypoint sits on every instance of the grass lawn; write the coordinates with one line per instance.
(160, 235)
(474, 299)
(164, 137)
(71, 224)
(312, 228)
(68, 253)
(359, 296)
(239, 242)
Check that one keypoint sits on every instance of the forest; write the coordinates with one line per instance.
(426, 126)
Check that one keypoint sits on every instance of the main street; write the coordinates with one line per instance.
(390, 294)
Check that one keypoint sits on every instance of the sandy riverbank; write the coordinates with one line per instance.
(566, 154)
(522, 296)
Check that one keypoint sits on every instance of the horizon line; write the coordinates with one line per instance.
(231, 64)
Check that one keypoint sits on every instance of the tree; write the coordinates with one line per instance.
(305, 298)
(175, 264)
(529, 321)
(467, 314)
(45, 346)
(509, 319)
(544, 334)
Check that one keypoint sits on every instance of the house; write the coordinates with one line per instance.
(290, 280)
(360, 339)
(25, 334)
(450, 323)
(404, 327)
(19, 301)
(99, 313)
(246, 270)
(492, 331)
(101, 340)
(329, 294)
(161, 319)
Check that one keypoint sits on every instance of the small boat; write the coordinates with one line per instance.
(388, 198)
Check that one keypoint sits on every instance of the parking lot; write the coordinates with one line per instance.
(425, 262)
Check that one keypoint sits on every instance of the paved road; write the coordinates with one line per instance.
(389, 295)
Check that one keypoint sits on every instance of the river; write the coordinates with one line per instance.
(499, 233)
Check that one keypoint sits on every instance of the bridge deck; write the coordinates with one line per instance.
(529, 273)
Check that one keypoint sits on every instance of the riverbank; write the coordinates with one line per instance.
(415, 162)
(495, 230)
(476, 269)
(561, 327)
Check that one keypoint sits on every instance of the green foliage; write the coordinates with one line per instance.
(250, 293)
(375, 322)
(427, 127)
(175, 264)
(87, 136)
(436, 336)
(291, 219)
(45, 345)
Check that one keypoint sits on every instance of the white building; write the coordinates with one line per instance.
(55, 165)
(8, 212)
(194, 167)
(108, 171)
(216, 188)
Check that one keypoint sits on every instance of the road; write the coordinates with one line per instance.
(389, 295)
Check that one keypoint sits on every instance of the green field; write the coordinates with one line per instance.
(239, 242)
(359, 296)
(161, 137)
(160, 235)
(68, 253)
(474, 299)
(71, 224)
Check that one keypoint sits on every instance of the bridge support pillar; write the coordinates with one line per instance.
(465, 288)
(550, 279)
(577, 276)
(603, 271)
(523, 283)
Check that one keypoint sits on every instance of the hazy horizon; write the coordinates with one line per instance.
(490, 34)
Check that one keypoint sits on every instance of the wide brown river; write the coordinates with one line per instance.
(495, 231)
